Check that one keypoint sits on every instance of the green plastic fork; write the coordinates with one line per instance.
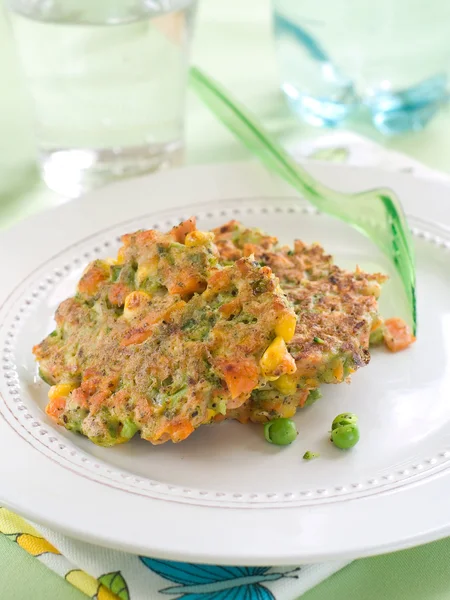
(376, 213)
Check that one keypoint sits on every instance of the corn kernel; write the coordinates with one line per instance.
(373, 288)
(287, 411)
(105, 264)
(198, 238)
(276, 360)
(147, 269)
(377, 322)
(210, 414)
(286, 326)
(338, 371)
(286, 384)
(62, 390)
(134, 302)
(121, 256)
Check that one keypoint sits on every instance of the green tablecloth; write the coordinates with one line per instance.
(233, 42)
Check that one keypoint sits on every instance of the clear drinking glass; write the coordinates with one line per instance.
(107, 81)
(389, 59)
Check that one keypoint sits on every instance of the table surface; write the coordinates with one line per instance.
(233, 42)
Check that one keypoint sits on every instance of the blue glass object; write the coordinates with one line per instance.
(388, 60)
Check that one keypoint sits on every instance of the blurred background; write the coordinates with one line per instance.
(305, 69)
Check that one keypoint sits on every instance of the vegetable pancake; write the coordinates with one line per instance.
(337, 318)
(164, 339)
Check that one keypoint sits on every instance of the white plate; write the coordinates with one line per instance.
(225, 495)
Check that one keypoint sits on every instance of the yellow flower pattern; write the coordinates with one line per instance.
(35, 545)
(83, 582)
(28, 538)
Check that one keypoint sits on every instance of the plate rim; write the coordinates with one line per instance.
(62, 449)
(240, 555)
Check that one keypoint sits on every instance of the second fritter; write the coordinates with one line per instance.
(337, 313)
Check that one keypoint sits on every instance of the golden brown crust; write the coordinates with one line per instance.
(161, 342)
(335, 310)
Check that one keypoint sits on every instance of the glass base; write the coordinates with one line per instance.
(410, 109)
(72, 172)
(390, 112)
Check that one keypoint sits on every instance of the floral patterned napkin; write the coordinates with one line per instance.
(104, 574)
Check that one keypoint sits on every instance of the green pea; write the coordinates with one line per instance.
(313, 396)
(345, 436)
(280, 432)
(344, 419)
(45, 377)
(115, 272)
(129, 428)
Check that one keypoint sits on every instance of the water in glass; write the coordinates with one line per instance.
(107, 81)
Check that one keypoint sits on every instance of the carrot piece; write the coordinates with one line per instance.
(180, 431)
(218, 281)
(80, 398)
(250, 249)
(180, 231)
(188, 284)
(397, 334)
(174, 431)
(241, 377)
(303, 398)
(92, 380)
(117, 294)
(136, 335)
(145, 238)
(56, 407)
(92, 280)
(231, 308)
(140, 333)
(127, 239)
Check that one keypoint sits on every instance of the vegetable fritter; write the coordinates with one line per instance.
(336, 312)
(164, 339)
